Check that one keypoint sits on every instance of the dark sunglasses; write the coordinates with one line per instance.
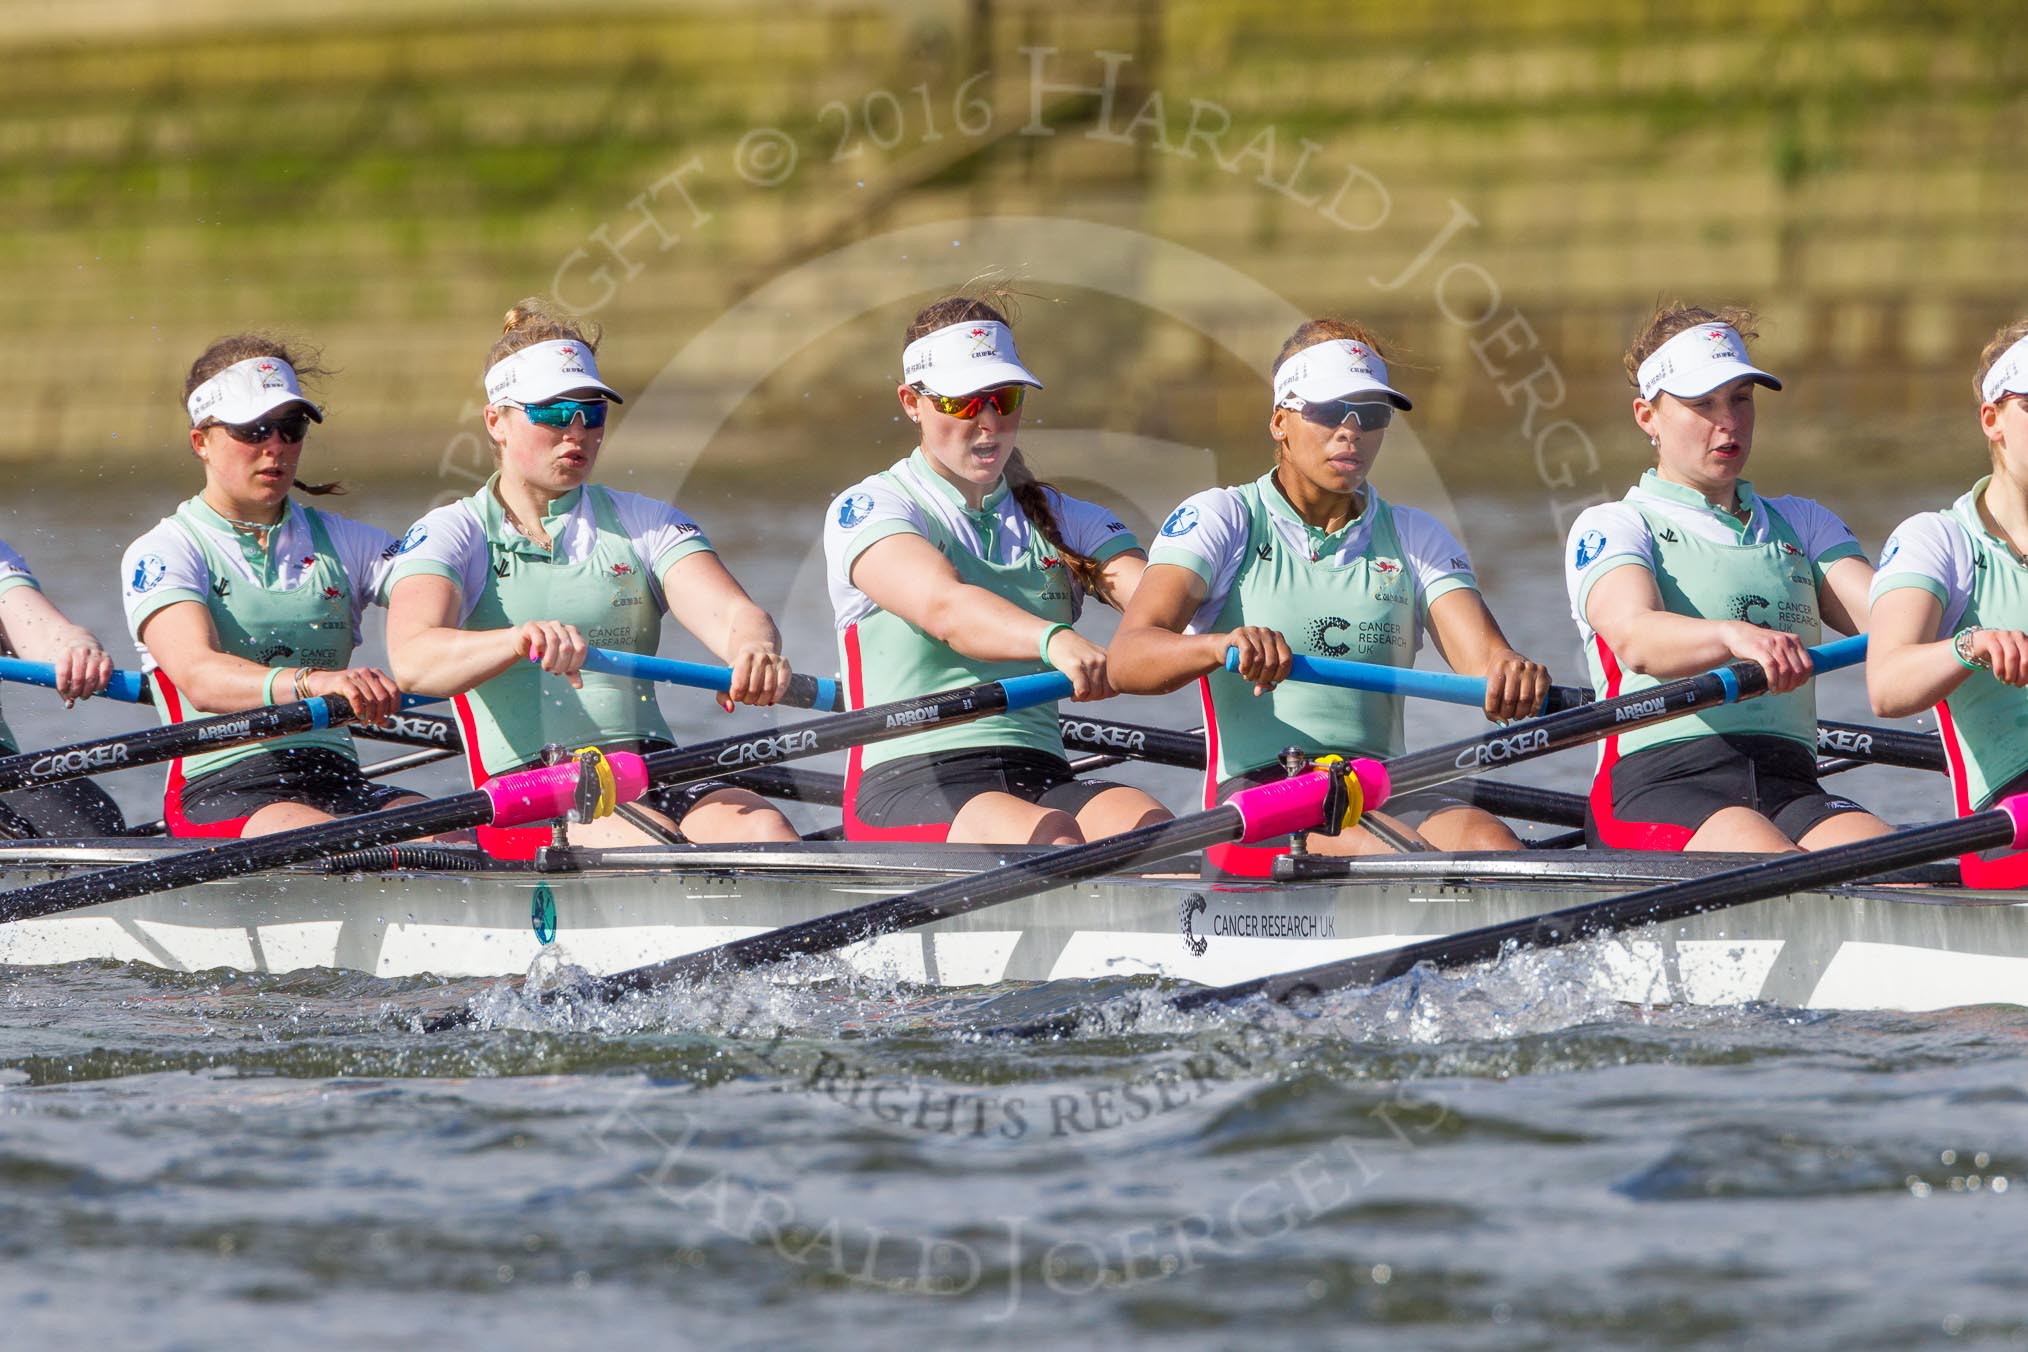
(1370, 415)
(1004, 400)
(291, 429)
(562, 412)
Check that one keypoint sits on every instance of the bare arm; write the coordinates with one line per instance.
(1470, 640)
(1122, 575)
(184, 643)
(1843, 598)
(1907, 671)
(1626, 610)
(1151, 655)
(906, 576)
(432, 655)
(708, 601)
(38, 632)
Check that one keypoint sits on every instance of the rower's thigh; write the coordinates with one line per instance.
(281, 817)
(1468, 828)
(1120, 808)
(1359, 842)
(1003, 819)
(725, 816)
(1843, 829)
(1740, 830)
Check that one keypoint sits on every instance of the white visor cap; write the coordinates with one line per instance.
(2009, 374)
(248, 391)
(964, 359)
(1339, 369)
(544, 371)
(1697, 361)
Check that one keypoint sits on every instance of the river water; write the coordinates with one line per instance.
(1490, 1160)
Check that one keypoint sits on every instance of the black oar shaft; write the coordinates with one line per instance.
(1784, 875)
(1549, 733)
(1880, 746)
(151, 746)
(209, 864)
(1147, 845)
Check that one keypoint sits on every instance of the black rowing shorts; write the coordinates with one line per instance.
(312, 775)
(926, 790)
(1661, 795)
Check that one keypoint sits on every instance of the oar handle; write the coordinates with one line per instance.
(805, 692)
(130, 686)
(1446, 687)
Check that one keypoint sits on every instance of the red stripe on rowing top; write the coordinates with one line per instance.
(2009, 870)
(931, 833)
(501, 842)
(1241, 861)
(1612, 831)
(170, 699)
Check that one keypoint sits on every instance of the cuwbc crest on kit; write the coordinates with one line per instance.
(855, 510)
(1181, 522)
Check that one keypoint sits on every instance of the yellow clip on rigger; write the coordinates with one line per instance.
(1346, 802)
(593, 759)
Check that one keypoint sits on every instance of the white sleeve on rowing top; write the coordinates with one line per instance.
(448, 543)
(1094, 531)
(1932, 553)
(1207, 535)
(14, 570)
(1603, 538)
(159, 569)
(1823, 536)
(367, 553)
(1435, 558)
(870, 510)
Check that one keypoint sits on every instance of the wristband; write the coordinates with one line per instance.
(268, 687)
(1961, 648)
(1051, 632)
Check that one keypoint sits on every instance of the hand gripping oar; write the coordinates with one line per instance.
(151, 746)
(1448, 687)
(537, 795)
(804, 692)
(1283, 808)
(130, 686)
(2006, 824)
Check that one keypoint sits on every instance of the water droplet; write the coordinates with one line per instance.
(1949, 1157)
(1382, 1274)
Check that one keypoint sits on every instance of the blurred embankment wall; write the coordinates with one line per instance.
(1502, 186)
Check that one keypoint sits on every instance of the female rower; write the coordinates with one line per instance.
(1950, 607)
(497, 597)
(1693, 570)
(1309, 558)
(245, 597)
(34, 630)
(953, 567)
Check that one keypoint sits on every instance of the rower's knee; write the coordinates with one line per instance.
(1739, 830)
(729, 816)
(1468, 828)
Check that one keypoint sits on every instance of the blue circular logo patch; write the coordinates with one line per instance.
(148, 573)
(1181, 521)
(855, 510)
(1589, 546)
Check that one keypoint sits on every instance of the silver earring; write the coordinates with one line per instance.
(1656, 442)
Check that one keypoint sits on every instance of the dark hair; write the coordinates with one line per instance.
(1673, 317)
(1032, 493)
(235, 348)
